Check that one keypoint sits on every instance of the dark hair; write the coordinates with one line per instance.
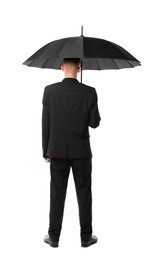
(75, 61)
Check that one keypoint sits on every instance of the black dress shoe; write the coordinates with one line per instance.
(48, 240)
(92, 241)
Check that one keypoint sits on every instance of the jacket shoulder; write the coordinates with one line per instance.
(86, 87)
(83, 86)
(53, 85)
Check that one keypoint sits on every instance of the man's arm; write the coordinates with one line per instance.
(45, 124)
(94, 115)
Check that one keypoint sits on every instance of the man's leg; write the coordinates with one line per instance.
(59, 170)
(82, 169)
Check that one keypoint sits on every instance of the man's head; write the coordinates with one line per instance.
(71, 67)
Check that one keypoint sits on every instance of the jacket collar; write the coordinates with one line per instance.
(69, 80)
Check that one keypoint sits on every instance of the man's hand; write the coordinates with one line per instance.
(47, 159)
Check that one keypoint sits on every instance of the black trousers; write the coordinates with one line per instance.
(59, 170)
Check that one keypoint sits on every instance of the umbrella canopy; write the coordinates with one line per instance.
(95, 54)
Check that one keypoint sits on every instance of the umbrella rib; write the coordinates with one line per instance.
(98, 64)
(130, 64)
(44, 63)
(115, 63)
(32, 61)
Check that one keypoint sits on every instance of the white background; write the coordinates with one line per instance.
(126, 146)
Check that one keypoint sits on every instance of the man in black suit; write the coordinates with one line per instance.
(69, 107)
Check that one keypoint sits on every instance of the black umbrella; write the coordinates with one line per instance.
(95, 54)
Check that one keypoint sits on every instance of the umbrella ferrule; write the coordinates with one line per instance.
(82, 31)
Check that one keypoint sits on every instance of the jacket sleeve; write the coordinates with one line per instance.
(94, 115)
(45, 123)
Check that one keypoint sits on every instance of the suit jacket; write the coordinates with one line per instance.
(69, 107)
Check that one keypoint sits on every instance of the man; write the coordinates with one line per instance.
(69, 107)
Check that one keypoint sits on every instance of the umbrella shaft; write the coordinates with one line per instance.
(81, 70)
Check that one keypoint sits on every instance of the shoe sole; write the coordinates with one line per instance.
(51, 244)
(84, 244)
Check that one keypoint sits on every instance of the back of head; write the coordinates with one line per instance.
(71, 66)
(72, 61)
